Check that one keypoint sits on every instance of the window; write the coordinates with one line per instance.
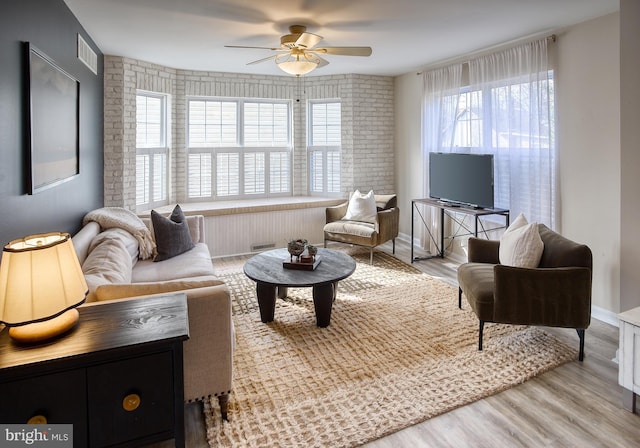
(513, 121)
(238, 148)
(507, 110)
(325, 129)
(152, 152)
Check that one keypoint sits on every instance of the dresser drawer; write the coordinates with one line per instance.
(58, 397)
(131, 398)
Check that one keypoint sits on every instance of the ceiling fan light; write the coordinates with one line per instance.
(296, 65)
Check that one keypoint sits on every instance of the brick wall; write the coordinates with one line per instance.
(367, 123)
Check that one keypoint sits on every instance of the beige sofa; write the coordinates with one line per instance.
(113, 272)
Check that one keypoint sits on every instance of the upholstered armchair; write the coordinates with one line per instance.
(555, 294)
(363, 233)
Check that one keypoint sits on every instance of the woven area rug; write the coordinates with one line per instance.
(398, 351)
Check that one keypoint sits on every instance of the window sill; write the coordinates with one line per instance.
(220, 208)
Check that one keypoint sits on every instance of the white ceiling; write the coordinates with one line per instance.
(405, 35)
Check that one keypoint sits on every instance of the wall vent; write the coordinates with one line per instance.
(87, 55)
(262, 246)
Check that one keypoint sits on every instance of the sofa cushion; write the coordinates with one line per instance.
(362, 208)
(108, 261)
(362, 229)
(171, 234)
(127, 239)
(119, 291)
(193, 263)
(82, 240)
(477, 282)
(521, 245)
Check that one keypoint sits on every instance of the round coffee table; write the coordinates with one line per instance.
(272, 280)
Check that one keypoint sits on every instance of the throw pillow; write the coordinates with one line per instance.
(362, 208)
(171, 234)
(521, 245)
(520, 221)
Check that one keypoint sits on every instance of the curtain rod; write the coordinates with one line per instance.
(552, 37)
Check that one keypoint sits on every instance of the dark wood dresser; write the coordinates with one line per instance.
(117, 376)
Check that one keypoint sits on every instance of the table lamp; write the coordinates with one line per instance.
(41, 284)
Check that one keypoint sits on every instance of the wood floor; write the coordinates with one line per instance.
(575, 405)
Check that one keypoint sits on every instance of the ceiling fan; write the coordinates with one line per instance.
(298, 54)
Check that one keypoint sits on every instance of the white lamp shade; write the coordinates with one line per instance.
(297, 64)
(297, 67)
(40, 278)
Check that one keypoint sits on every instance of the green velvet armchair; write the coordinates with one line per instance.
(555, 294)
(362, 233)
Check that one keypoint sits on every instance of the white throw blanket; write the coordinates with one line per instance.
(118, 217)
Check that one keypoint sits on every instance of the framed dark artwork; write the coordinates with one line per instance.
(54, 106)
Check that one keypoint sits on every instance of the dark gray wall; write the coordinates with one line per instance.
(52, 28)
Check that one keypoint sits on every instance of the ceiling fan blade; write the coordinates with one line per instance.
(322, 62)
(344, 51)
(259, 48)
(308, 40)
(263, 59)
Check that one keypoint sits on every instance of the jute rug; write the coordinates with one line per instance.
(398, 351)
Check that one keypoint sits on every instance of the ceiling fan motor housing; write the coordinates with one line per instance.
(289, 40)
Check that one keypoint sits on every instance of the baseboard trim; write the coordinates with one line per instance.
(605, 316)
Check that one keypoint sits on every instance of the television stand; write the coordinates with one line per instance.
(450, 209)
(449, 204)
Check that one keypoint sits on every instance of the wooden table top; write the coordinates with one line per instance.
(105, 326)
(267, 268)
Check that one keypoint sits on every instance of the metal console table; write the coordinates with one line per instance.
(450, 210)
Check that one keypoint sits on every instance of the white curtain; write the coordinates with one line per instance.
(515, 87)
(441, 89)
(506, 109)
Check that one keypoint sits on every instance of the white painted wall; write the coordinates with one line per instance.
(408, 174)
(630, 158)
(588, 122)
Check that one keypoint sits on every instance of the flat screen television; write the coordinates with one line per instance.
(461, 178)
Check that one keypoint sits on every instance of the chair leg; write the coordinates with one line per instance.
(325, 244)
(393, 242)
(480, 335)
(371, 256)
(581, 336)
(459, 297)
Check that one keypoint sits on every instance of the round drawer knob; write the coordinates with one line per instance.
(37, 420)
(131, 402)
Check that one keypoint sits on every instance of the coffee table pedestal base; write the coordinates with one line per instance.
(323, 297)
(266, 301)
